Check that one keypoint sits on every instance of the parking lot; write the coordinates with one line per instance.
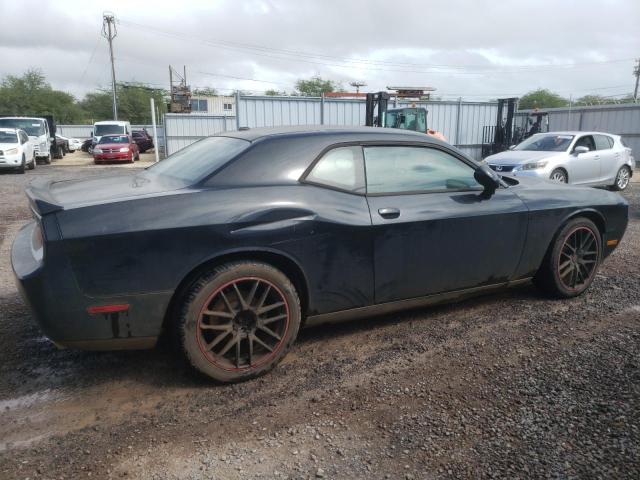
(485, 388)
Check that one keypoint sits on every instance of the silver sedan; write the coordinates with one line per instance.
(585, 158)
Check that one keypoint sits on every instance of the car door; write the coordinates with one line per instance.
(609, 158)
(27, 145)
(433, 230)
(584, 167)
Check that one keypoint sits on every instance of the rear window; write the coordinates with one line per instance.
(107, 129)
(114, 139)
(200, 159)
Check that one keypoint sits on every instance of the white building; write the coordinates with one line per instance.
(217, 105)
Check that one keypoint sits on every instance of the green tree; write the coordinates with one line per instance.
(542, 98)
(316, 86)
(274, 93)
(206, 92)
(30, 94)
(592, 100)
(133, 102)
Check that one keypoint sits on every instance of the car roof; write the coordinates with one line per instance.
(253, 134)
(111, 122)
(576, 132)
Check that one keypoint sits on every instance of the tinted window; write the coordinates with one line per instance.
(32, 126)
(586, 141)
(610, 140)
(107, 129)
(8, 137)
(340, 168)
(545, 143)
(114, 139)
(23, 137)
(407, 169)
(602, 142)
(193, 163)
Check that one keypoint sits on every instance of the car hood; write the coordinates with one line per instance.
(8, 146)
(114, 146)
(518, 157)
(58, 195)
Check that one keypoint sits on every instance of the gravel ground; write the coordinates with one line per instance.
(506, 386)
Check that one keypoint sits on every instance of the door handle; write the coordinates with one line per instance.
(389, 212)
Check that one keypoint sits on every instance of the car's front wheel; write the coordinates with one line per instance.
(622, 178)
(559, 175)
(572, 261)
(239, 320)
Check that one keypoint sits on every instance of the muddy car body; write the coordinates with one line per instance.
(235, 242)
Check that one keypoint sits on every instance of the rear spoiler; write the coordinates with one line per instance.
(40, 198)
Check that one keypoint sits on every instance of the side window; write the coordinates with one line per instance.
(586, 141)
(340, 168)
(611, 142)
(422, 121)
(415, 169)
(23, 138)
(602, 142)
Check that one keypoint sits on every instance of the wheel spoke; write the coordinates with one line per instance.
(218, 313)
(250, 342)
(252, 293)
(226, 302)
(270, 332)
(270, 320)
(216, 341)
(243, 304)
(268, 308)
(568, 269)
(225, 327)
(238, 352)
(228, 346)
(260, 342)
(263, 297)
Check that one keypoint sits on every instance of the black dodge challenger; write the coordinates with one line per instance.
(233, 243)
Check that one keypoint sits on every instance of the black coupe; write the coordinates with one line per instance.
(233, 243)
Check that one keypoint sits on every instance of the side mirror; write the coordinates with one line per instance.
(488, 179)
(512, 147)
(580, 149)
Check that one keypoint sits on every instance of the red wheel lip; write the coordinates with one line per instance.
(592, 274)
(268, 357)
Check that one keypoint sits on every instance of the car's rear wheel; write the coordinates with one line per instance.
(622, 178)
(572, 261)
(559, 175)
(21, 168)
(47, 159)
(32, 165)
(239, 320)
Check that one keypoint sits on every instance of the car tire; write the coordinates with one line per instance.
(32, 165)
(21, 168)
(572, 261)
(622, 178)
(47, 159)
(559, 175)
(137, 156)
(221, 325)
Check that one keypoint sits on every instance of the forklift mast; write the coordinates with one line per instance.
(499, 137)
(380, 100)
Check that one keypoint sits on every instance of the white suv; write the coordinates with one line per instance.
(16, 150)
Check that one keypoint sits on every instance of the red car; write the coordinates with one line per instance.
(116, 148)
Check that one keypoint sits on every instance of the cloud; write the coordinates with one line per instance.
(481, 47)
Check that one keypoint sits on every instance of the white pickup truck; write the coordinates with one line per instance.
(39, 132)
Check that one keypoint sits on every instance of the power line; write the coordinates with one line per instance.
(312, 58)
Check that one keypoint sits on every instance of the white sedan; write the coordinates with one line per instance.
(16, 150)
(74, 143)
(584, 158)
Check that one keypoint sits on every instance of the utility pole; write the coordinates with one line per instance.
(109, 32)
(358, 85)
(636, 72)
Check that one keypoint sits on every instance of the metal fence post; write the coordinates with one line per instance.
(166, 144)
(322, 108)
(237, 109)
(458, 110)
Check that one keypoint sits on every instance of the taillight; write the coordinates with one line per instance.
(37, 243)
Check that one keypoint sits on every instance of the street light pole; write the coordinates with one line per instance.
(109, 31)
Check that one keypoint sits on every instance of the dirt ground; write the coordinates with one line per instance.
(511, 385)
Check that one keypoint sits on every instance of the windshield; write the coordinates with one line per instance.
(107, 129)
(114, 139)
(200, 159)
(32, 126)
(8, 137)
(546, 143)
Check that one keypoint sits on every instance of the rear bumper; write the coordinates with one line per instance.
(61, 308)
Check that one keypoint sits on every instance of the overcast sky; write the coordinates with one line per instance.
(469, 48)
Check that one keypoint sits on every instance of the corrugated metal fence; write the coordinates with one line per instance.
(623, 120)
